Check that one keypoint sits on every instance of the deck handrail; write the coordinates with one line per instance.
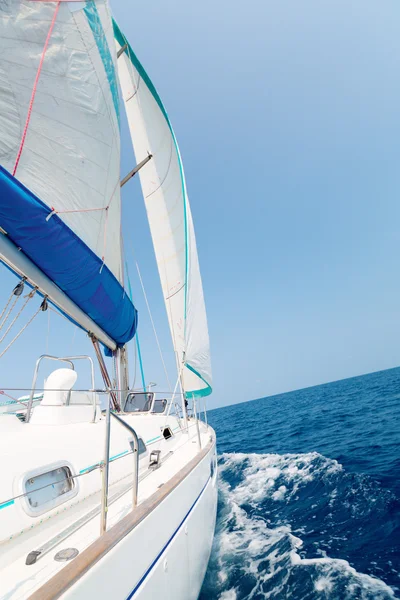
(106, 466)
(67, 359)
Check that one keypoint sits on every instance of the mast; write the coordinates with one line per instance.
(121, 358)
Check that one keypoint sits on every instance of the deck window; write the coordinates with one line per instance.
(139, 402)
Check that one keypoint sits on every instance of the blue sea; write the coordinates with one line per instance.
(309, 494)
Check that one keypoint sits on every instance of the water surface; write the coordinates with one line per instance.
(309, 501)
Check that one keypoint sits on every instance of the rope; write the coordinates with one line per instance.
(9, 312)
(17, 291)
(28, 118)
(60, 212)
(23, 329)
(28, 297)
(48, 332)
(5, 308)
(3, 393)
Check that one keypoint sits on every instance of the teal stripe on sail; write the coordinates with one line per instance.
(198, 393)
(94, 21)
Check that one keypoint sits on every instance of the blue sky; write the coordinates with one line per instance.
(288, 119)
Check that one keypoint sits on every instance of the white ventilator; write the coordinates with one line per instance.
(164, 189)
(57, 387)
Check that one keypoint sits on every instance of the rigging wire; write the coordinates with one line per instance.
(16, 400)
(135, 367)
(137, 344)
(17, 291)
(28, 297)
(43, 307)
(153, 325)
(139, 354)
(48, 332)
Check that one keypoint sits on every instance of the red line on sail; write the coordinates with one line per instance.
(28, 118)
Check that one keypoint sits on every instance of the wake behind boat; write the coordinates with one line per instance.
(106, 492)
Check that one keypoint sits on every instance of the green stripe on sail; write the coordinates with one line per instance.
(198, 393)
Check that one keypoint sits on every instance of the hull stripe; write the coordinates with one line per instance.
(151, 567)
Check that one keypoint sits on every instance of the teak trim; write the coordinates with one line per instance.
(69, 575)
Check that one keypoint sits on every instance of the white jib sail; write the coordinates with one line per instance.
(164, 189)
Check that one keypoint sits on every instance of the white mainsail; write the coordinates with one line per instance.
(164, 189)
(71, 156)
(60, 138)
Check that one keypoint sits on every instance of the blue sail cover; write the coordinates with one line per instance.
(65, 259)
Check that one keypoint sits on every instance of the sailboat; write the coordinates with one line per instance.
(106, 492)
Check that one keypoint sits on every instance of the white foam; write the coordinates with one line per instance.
(246, 545)
(262, 471)
(228, 595)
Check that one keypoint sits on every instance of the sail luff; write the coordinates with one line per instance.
(168, 210)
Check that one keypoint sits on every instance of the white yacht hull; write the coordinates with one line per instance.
(166, 554)
(161, 546)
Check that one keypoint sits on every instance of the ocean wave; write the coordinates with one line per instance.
(279, 517)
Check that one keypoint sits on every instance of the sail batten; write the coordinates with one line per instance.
(171, 225)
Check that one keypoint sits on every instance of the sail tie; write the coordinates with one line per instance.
(35, 85)
(54, 211)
